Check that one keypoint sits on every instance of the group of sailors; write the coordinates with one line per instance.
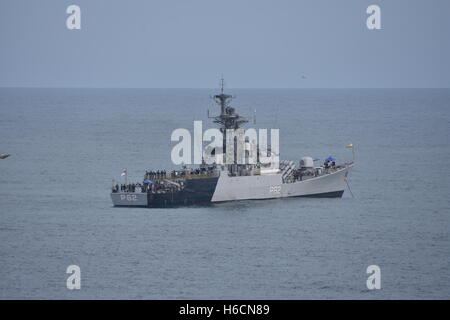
(131, 187)
(159, 174)
(163, 187)
(162, 174)
(154, 187)
(157, 184)
(197, 171)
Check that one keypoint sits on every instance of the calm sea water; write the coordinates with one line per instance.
(67, 145)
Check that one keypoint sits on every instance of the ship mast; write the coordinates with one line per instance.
(228, 118)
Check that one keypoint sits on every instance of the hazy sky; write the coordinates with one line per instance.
(254, 43)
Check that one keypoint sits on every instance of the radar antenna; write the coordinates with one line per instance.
(228, 118)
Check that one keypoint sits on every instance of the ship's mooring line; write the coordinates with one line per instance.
(346, 181)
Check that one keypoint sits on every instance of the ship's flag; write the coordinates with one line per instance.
(124, 172)
(350, 145)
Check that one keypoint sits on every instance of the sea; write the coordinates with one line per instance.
(67, 145)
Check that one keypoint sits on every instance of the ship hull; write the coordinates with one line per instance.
(126, 199)
(271, 186)
(334, 194)
(225, 188)
(196, 192)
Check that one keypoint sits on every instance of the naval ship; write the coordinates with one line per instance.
(215, 183)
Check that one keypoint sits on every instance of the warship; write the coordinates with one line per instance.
(214, 182)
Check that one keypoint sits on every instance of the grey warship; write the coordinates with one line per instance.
(215, 183)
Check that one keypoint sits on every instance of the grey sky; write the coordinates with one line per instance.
(254, 43)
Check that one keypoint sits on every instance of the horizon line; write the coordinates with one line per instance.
(211, 88)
